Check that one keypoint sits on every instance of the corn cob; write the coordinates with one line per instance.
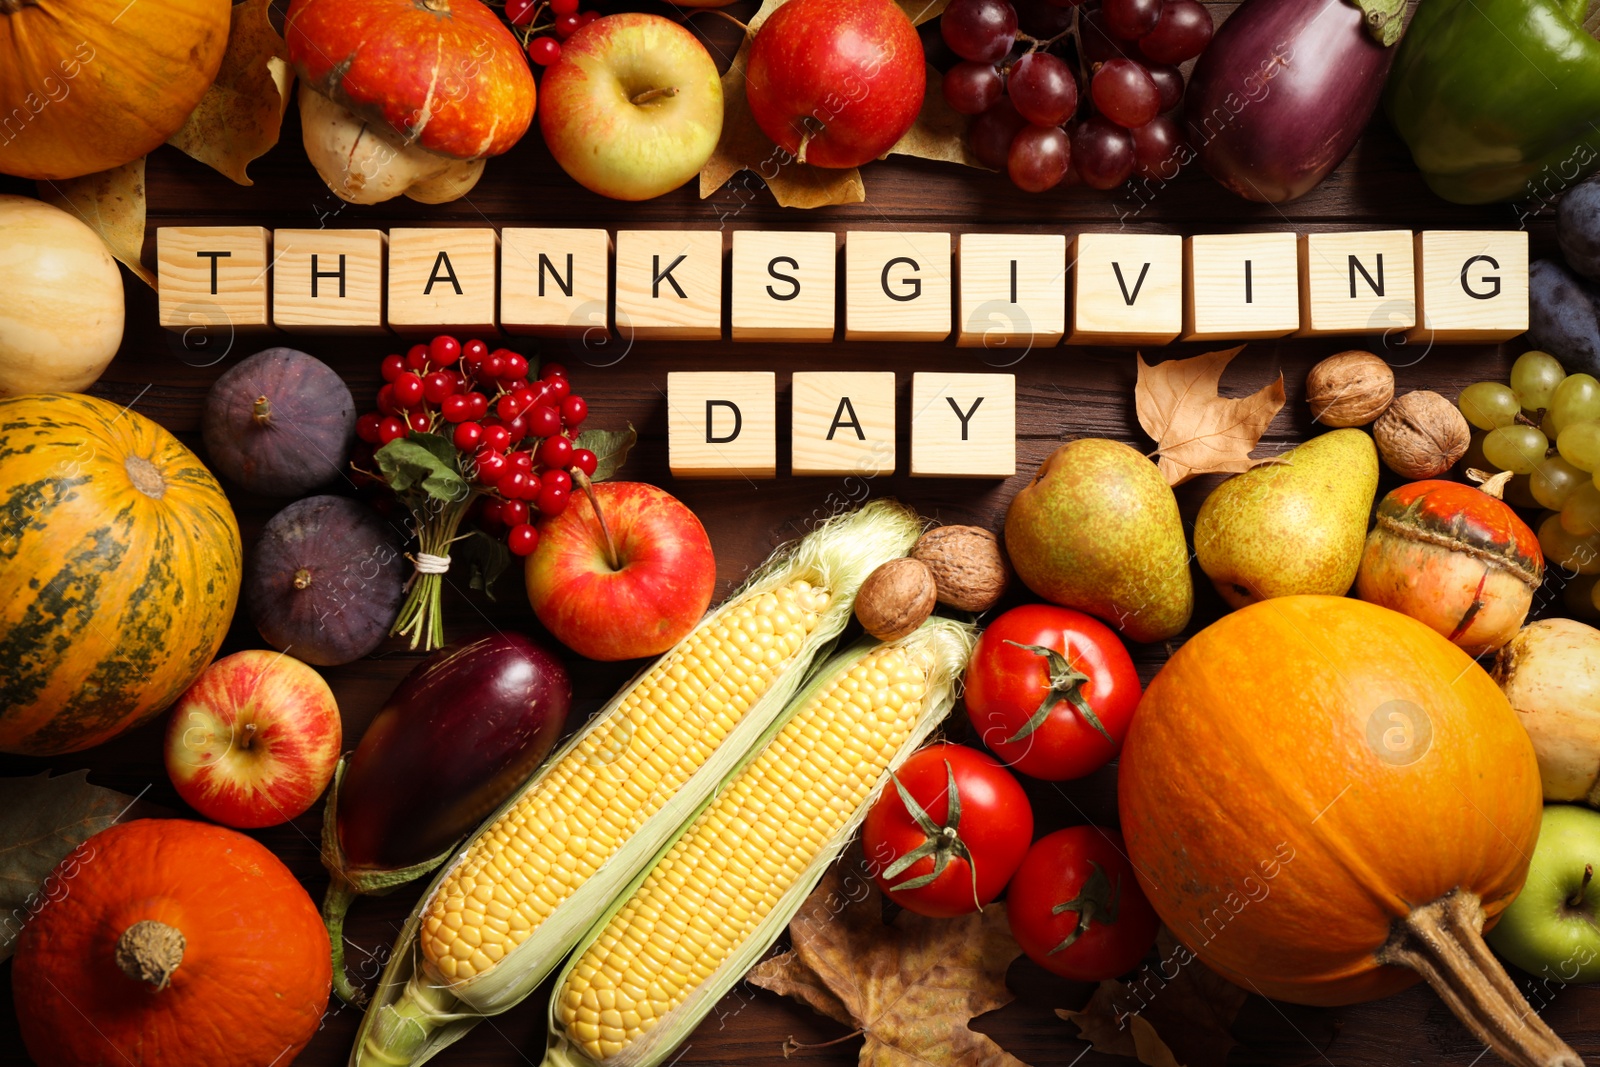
(500, 916)
(719, 894)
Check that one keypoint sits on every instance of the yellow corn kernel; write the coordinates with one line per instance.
(611, 783)
(705, 899)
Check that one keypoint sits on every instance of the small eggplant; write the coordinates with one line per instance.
(464, 729)
(1285, 88)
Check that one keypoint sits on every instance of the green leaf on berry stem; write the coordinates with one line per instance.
(422, 459)
(486, 559)
(610, 448)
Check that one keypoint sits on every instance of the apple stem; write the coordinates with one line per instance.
(655, 94)
(250, 729)
(1576, 900)
(611, 545)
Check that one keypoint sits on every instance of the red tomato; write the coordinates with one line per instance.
(966, 830)
(1051, 691)
(1106, 925)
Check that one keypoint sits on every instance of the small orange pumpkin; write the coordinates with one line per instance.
(171, 943)
(1324, 799)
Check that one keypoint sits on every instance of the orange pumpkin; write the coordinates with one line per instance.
(119, 571)
(171, 943)
(1324, 798)
(86, 85)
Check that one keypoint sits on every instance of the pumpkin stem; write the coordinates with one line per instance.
(261, 411)
(149, 951)
(655, 94)
(302, 578)
(611, 545)
(1576, 899)
(1443, 942)
(1492, 484)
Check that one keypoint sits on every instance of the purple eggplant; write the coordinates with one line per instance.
(1286, 86)
(464, 729)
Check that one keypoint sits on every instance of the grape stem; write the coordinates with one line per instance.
(1533, 420)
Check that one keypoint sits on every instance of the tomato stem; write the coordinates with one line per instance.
(1098, 900)
(1066, 683)
(941, 842)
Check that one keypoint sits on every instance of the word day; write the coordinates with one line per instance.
(986, 289)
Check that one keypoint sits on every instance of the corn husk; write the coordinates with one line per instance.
(948, 645)
(414, 1014)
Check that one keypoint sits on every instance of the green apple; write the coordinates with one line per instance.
(633, 106)
(1552, 929)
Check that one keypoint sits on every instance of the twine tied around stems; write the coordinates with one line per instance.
(427, 563)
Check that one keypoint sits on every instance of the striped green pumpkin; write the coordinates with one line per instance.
(119, 571)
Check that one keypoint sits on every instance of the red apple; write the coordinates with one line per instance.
(836, 82)
(636, 596)
(254, 740)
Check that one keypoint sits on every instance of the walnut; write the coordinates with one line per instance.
(968, 567)
(1349, 389)
(1422, 435)
(896, 598)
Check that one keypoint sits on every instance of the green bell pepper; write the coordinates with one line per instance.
(1498, 99)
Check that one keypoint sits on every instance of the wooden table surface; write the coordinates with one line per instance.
(1061, 392)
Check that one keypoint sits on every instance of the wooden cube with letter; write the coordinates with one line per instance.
(1127, 289)
(1356, 282)
(963, 425)
(669, 285)
(843, 423)
(1472, 285)
(442, 277)
(897, 286)
(554, 283)
(1013, 290)
(1241, 285)
(722, 424)
(328, 280)
(783, 286)
(213, 276)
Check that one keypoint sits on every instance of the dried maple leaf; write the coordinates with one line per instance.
(1195, 430)
(1194, 1009)
(939, 133)
(111, 203)
(42, 819)
(239, 118)
(909, 987)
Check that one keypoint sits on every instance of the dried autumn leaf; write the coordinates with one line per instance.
(42, 819)
(909, 987)
(111, 203)
(1197, 431)
(1193, 1009)
(743, 147)
(241, 115)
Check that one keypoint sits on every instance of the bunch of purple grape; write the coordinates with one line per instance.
(1026, 95)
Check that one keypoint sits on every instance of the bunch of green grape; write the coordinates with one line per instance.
(1543, 404)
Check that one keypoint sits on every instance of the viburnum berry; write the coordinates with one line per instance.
(514, 512)
(392, 367)
(456, 409)
(367, 427)
(513, 483)
(585, 460)
(520, 12)
(492, 367)
(566, 26)
(556, 453)
(417, 357)
(587, 17)
(420, 421)
(437, 386)
(391, 429)
(496, 437)
(474, 351)
(479, 404)
(444, 350)
(574, 409)
(560, 479)
(552, 500)
(513, 365)
(517, 428)
(563, 7)
(467, 436)
(522, 460)
(491, 465)
(522, 540)
(543, 422)
(558, 388)
(507, 407)
(407, 390)
(386, 404)
(553, 370)
(544, 50)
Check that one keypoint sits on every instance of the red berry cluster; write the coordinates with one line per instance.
(564, 20)
(515, 433)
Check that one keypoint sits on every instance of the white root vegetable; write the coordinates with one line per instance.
(365, 164)
(1550, 672)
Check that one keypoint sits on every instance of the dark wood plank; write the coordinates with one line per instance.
(1062, 392)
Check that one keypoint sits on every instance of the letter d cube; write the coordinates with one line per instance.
(722, 424)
